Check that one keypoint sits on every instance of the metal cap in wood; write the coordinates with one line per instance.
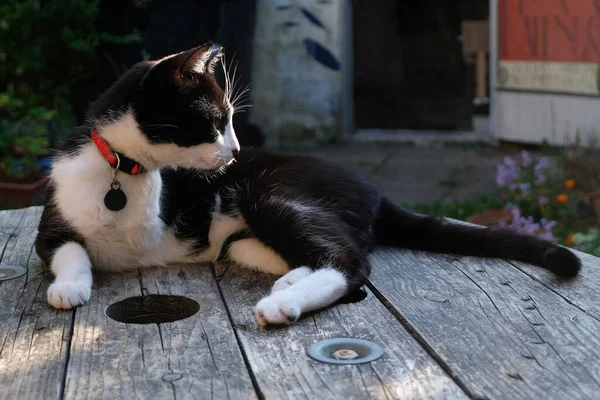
(11, 272)
(344, 351)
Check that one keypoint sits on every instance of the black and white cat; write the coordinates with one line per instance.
(161, 141)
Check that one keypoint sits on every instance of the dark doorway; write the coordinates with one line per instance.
(409, 71)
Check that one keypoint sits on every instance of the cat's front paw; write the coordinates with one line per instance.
(291, 278)
(280, 308)
(68, 294)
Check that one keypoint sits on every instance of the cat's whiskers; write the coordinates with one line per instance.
(240, 96)
(234, 96)
(234, 80)
(226, 73)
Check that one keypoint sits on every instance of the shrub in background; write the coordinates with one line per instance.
(48, 50)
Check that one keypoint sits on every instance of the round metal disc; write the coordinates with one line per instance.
(11, 272)
(115, 199)
(335, 350)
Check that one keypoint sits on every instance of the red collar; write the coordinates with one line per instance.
(116, 160)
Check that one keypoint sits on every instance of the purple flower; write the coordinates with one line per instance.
(543, 200)
(509, 161)
(515, 213)
(507, 174)
(525, 159)
(527, 225)
(542, 164)
(539, 178)
(524, 187)
(530, 227)
(546, 236)
(548, 226)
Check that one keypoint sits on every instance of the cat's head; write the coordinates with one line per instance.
(171, 112)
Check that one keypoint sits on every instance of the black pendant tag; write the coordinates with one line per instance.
(115, 199)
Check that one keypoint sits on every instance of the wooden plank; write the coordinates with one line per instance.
(197, 357)
(34, 338)
(283, 370)
(583, 291)
(205, 344)
(504, 335)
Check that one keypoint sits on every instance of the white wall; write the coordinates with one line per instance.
(534, 117)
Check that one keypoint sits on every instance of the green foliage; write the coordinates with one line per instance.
(47, 49)
(588, 242)
(460, 210)
(8, 205)
(452, 181)
(24, 139)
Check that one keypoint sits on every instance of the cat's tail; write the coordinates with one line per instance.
(400, 228)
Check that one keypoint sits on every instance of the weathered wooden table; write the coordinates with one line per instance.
(450, 328)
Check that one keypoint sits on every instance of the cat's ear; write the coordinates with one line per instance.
(216, 54)
(200, 60)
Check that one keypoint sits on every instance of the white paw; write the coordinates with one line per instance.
(68, 294)
(280, 308)
(282, 283)
(291, 278)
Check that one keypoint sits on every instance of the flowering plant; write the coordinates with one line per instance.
(523, 180)
(541, 196)
(536, 207)
(520, 176)
(542, 228)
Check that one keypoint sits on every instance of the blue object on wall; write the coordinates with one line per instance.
(321, 54)
(312, 18)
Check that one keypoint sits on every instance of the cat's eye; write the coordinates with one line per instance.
(220, 124)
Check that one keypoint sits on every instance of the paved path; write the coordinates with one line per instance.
(410, 175)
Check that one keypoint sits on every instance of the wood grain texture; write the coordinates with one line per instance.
(503, 334)
(205, 343)
(583, 291)
(34, 338)
(194, 358)
(283, 370)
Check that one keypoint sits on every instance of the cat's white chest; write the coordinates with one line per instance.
(115, 246)
(130, 238)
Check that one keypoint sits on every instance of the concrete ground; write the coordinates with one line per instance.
(411, 174)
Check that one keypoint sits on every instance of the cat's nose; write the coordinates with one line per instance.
(235, 151)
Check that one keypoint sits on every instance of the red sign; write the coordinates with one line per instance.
(549, 30)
